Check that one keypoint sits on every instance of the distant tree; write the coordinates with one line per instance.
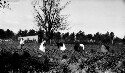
(31, 32)
(6, 34)
(90, 36)
(107, 33)
(66, 37)
(9, 33)
(117, 40)
(2, 34)
(72, 37)
(105, 38)
(22, 33)
(112, 36)
(19, 33)
(15, 37)
(12, 34)
(25, 32)
(57, 36)
(97, 37)
(81, 37)
(48, 16)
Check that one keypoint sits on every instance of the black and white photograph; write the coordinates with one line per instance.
(62, 36)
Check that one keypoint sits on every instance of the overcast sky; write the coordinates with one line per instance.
(90, 16)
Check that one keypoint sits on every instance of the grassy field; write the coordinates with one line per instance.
(86, 62)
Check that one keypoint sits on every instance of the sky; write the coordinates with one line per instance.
(90, 16)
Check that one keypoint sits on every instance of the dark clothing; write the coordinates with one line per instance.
(22, 46)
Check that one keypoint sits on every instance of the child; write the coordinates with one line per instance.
(22, 42)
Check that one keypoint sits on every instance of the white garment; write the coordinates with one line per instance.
(63, 48)
(82, 46)
(21, 41)
(42, 47)
(103, 49)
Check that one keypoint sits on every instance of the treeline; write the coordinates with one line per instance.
(6, 34)
(97, 38)
(81, 37)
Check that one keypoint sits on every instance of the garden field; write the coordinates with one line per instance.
(91, 60)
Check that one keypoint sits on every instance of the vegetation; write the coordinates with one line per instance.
(80, 37)
(13, 59)
(49, 18)
(91, 60)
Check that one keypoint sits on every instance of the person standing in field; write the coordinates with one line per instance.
(22, 42)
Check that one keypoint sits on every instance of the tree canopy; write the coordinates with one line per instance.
(48, 16)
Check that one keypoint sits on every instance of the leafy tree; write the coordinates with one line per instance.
(57, 36)
(31, 32)
(25, 32)
(19, 33)
(81, 37)
(107, 38)
(89, 36)
(15, 37)
(66, 37)
(97, 37)
(9, 34)
(6, 34)
(117, 40)
(72, 37)
(2, 34)
(49, 18)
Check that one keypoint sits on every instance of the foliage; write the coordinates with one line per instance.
(72, 37)
(31, 32)
(79, 37)
(89, 62)
(6, 34)
(50, 19)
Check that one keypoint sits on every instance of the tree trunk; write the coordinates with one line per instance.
(48, 37)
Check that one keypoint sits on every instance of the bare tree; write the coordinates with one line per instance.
(4, 4)
(48, 17)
